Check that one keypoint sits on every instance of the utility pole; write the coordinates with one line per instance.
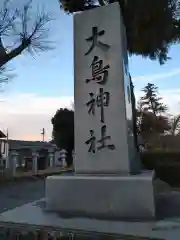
(7, 134)
(7, 141)
(43, 134)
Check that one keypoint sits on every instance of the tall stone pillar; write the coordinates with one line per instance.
(35, 156)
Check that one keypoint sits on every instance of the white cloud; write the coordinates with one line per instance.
(172, 99)
(26, 114)
(153, 77)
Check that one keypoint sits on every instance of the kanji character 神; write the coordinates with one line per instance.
(101, 101)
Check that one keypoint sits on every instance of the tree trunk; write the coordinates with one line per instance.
(3, 54)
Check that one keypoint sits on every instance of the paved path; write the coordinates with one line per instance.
(18, 193)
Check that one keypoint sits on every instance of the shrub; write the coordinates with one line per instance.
(165, 163)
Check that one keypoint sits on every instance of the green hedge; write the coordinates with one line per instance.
(165, 163)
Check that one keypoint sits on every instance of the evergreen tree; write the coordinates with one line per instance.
(151, 113)
(151, 100)
(63, 131)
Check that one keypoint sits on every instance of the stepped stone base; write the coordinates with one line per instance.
(110, 197)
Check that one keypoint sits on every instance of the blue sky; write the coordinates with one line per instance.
(51, 73)
(45, 83)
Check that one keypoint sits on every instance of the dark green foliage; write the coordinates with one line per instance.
(165, 163)
(152, 25)
(151, 118)
(150, 125)
(63, 131)
(152, 159)
(151, 100)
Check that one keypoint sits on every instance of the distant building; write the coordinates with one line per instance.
(25, 150)
(2, 149)
(2, 135)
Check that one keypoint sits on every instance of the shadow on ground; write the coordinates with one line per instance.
(168, 205)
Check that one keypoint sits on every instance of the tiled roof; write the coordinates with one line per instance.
(2, 135)
(23, 144)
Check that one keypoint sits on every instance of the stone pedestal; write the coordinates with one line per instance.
(111, 197)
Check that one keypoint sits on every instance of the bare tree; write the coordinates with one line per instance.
(175, 125)
(26, 32)
(3, 78)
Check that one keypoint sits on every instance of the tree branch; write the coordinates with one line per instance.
(7, 18)
(2, 50)
(15, 52)
(30, 35)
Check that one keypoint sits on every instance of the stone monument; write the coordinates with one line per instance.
(108, 182)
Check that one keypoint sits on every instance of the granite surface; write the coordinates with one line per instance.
(33, 216)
